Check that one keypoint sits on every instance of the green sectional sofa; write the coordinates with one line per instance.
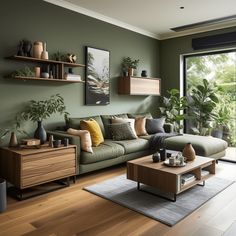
(112, 152)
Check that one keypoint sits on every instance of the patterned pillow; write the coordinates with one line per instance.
(115, 120)
(85, 139)
(154, 126)
(122, 131)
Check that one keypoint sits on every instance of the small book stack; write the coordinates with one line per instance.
(74, 77)
(204, 172)
(187, 178)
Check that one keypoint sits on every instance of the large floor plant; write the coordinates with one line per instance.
(202, 103)
(172, 108)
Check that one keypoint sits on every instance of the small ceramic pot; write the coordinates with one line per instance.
(156, 157)
(56, 143)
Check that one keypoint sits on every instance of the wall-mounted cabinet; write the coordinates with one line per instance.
(139, 86)
(58, 65)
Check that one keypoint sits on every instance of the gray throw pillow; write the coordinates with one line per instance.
(154, 126)
(121, 131)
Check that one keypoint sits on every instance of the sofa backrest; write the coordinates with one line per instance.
(103, 121)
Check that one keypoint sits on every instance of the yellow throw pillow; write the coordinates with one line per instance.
(94, 129)
(139, 125)
(85, 139)
(116, 120)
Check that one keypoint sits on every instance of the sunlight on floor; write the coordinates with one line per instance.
(230, 154)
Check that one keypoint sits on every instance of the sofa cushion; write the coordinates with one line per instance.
(85, 138)
(134, 145)
(154, 126)
(144, 114)
(106, 119)
(140, 126)
(203, 145)
(131, 121)
(94, 129)
(122, 131)
(74, 123)
(105, 151)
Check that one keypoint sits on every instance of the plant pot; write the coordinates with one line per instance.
(217, 132)
(13, 140)
(40, 133)
(189, 152)
(131, 71)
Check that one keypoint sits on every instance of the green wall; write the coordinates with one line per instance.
(67, 31)
(172, 49)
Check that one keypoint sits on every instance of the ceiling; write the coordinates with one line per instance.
(154, 18)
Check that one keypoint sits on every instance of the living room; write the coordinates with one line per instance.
(71, 29)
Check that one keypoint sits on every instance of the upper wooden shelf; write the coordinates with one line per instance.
(32, 59)
(139, 86)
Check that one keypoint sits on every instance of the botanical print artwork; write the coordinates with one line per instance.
(97, 77)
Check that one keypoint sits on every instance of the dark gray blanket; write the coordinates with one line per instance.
(157, 140)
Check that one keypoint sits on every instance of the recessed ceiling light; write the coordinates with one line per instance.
(181, 8)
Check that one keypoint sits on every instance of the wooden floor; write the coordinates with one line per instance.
(72, 211)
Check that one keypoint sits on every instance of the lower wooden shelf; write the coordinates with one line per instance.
(45, 79)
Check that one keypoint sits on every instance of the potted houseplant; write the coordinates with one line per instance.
(203, 101)
(221, 121)
(37, 111)
(129, 65)
(13, 130)
(172, 108)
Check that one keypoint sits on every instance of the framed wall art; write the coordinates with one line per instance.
(97, 82)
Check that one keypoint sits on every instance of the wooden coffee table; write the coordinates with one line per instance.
(168, 179)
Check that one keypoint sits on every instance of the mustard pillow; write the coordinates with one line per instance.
(85, 139)
(94, 129)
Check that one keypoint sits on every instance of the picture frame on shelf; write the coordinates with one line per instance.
(97, 79)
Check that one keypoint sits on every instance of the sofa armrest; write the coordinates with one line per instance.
(75, 140)
(169, 128)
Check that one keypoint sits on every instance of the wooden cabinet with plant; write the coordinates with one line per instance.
(56, 73)
(139, 86)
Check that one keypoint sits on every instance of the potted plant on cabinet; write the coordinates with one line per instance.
(129, 65)
(37, 111)
(172, 108)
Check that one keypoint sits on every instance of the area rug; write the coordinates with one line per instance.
(124, 192)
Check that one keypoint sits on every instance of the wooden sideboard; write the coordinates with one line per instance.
(26, 168)
(139, 86)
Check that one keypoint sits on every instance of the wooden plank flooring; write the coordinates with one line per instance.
(72, 211)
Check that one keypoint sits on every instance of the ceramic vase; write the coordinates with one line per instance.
(189, 152)
(13, 140)
(44, 54)
(37, 49)
(40, 133)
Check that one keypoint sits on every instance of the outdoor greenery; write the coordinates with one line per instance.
(220, 72)
(172, 108)
(41, 110)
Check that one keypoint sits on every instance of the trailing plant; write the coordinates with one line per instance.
(172, 108)
(41, 110)
(58, 56)
(203, 101)
(25, 72)
(129, 63)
